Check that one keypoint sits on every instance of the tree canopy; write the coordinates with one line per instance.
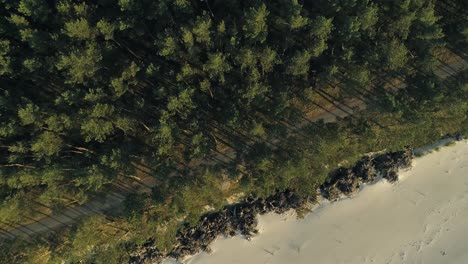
(91, 92)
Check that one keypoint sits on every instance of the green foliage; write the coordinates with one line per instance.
(59, 123)
(204, 100)
(96, 129)
(33, 8)
(29, 114)
(321, 27)
(87, 240)
(182, 104)
(168, 47)
(268, 59)
(4, 59)
(81, 65)
(296, 20)
(201, 30)
(79, 29)
(299, 65)
(47, 144)
(106, 28)
(216, 66)
(396, 55)
(255, 25)
(95, 179)
(369, 17)
(258, 130)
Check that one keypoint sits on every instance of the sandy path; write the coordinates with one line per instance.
(421, 219)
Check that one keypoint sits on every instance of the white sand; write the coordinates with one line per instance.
(421, 219)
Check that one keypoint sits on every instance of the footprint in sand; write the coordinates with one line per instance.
(403, 256)
(295, 247)
(272, 250)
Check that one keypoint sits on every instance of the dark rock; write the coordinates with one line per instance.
(392, 175)
(242, 217)
(365, 169)
(388, 164)
(147, 253)
(342, 181)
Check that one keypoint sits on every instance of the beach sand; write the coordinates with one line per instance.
(421, 219)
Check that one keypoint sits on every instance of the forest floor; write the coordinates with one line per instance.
(67, 216)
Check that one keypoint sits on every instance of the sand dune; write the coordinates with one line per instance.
(421, 219)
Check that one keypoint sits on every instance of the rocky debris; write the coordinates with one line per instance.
(365, 169)
(242, 217)
(343, 181)
(346, 181)
(388, 164)
(147, 253)
(391, 175)
(458, 136)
